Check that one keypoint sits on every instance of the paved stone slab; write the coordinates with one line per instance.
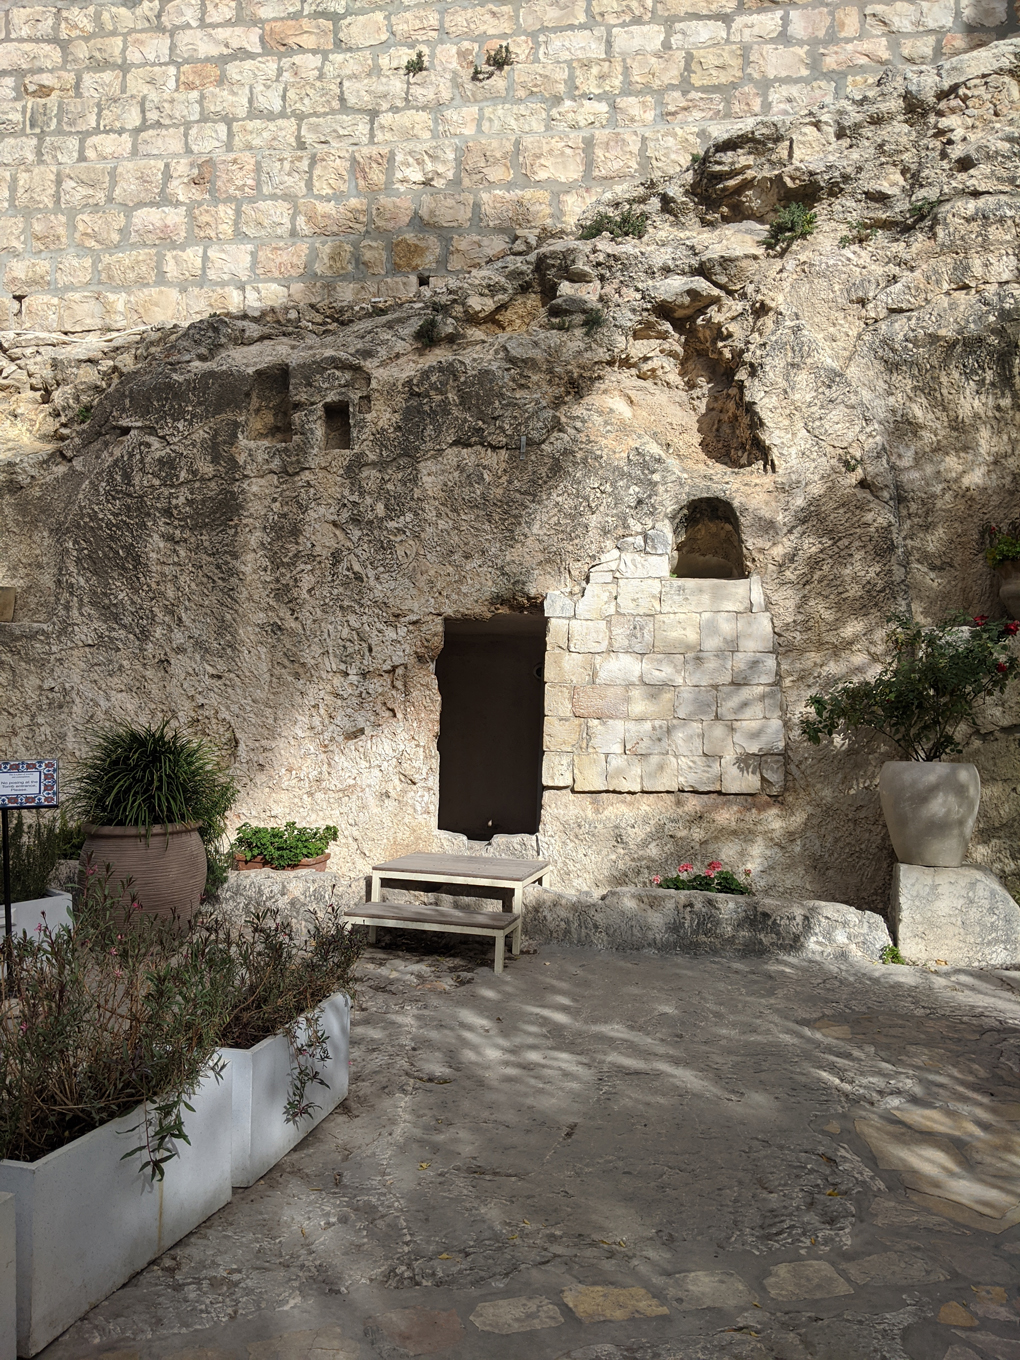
(805, 1280)
(598, 1303)
(996, 1153)
(985, 1196)
(326, 1343)
(898, 1149)
(959, 1213)
(960, 1353)
(891, 1267)
(937, 1119)
(507, 1316)
(414, 1331)
(710, 1289)
(998, 1346)
(956, 1315)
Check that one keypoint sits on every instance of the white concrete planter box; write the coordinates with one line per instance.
(25, 916)
(87, 1221)
(8, 1295)
(261, 1084)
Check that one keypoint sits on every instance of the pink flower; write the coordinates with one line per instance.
(715, 864)
(39, 929)
(656, 880)
(23, 1027)
(747, 872)
(684, 868)
(709, 873)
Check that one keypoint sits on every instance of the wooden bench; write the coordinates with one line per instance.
(398, 916)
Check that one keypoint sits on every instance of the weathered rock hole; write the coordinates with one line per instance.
(336, 417)
(269, 412)
(711, 546)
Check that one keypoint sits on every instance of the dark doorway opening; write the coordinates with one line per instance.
(490, 675)
(337, 420)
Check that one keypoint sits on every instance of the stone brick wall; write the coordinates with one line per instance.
(171, 158)
(656, 684)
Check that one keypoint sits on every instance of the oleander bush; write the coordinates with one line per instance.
(98, 1020)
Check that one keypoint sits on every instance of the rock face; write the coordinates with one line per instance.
(262, 527)
(963, 917)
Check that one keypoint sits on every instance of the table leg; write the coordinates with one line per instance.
(373, 931)
(497, 963)
(374, 890)
(515, 939)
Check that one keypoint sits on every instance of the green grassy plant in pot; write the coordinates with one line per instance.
(153, 801)
(919, 701)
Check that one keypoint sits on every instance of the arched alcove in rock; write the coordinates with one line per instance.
(709, 544)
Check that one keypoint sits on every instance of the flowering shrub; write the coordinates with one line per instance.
(1002, 543)
(104, 1018)
(927, 691)
(715, 879)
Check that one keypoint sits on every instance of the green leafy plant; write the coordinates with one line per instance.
(715, 879)
(282, 847)
(416, 64)
(695, 157)
(860, 234)
(926, 692)
(593, 321)
(851, 464)
(626, 222)
(497, 60)
(428, 332)
(38, 841)
(1002, 544)
(890, 954)
(792, 223)
(84, 415)
(924, 207)
(275, 979)
(97, 1021)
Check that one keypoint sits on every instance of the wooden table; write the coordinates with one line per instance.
(510, 876)
(480, 871)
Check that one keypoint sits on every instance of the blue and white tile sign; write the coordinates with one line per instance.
(29, 783)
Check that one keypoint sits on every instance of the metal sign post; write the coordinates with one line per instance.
(23, 784)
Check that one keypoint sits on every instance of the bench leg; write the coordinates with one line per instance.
(497, 964)
(515, 939)
(374, 891)
(373, 932)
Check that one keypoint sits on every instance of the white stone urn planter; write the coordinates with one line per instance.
(261, 1134)
(86, 1221)
(28, 915)
(930, 808)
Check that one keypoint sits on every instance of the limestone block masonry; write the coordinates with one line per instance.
(168, 159)
(656, 683)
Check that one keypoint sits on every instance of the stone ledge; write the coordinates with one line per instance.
(666, 922)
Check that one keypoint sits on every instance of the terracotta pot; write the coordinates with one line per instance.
(168, 870)
(240, 863)
(930, 807)
(318, 864)
(1009, 591)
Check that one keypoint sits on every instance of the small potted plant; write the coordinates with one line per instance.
(1002, 550)
(283, 847)
(715, 879)
(919, 701)
(153, 800)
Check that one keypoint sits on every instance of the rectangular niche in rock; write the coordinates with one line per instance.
(269, 411)
(337, 424)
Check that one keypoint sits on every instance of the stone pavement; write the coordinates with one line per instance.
(625, 1157)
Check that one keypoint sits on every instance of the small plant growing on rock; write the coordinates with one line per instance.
(927, 691)
(858, 235)
(792, 223)
(627, 222)
(427, 333)
(416, 64)
(84, 415)
(924, 207)
(890, 954)
(593, 321)
(715, 879)
(497, 60)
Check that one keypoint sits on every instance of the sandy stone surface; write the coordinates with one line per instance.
(622, 1157)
